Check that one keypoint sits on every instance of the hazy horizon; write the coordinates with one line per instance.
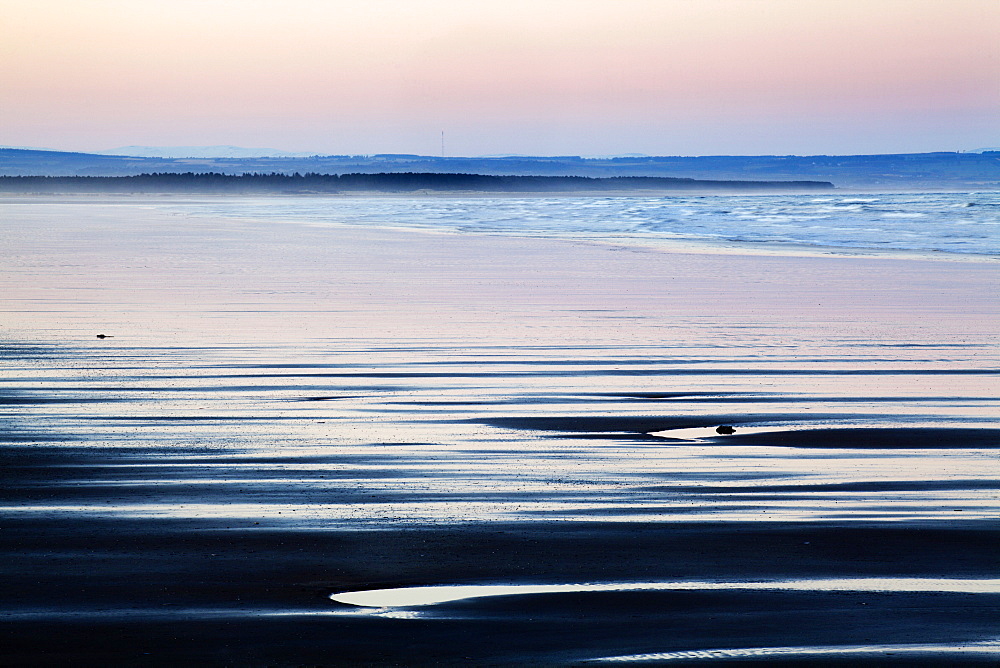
(244, 152)
(545, 77)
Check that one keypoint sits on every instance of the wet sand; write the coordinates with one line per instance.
(286, 412)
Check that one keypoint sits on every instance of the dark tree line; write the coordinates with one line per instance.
(213, 182)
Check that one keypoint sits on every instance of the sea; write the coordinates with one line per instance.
(966, 223)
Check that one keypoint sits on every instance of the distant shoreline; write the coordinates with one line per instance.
(406, 182)
(890, 172)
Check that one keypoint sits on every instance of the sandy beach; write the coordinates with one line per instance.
(282, 412)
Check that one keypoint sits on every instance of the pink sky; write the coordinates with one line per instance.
(580, 77)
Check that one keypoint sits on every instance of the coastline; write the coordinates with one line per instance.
(284, 413)
(660, 242)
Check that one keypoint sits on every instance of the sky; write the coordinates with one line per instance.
(537, 77)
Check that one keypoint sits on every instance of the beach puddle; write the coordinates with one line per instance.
(701, 434)
(408, 597)
(841, 437)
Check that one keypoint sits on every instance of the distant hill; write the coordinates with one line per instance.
(201, 152)
(889, 172)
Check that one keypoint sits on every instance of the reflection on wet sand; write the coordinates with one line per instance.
(987, 649)
(421, 596)
(281, 412)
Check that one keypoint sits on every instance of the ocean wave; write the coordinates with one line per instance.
(925, 222)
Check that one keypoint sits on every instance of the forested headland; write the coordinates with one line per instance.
(403, 182)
